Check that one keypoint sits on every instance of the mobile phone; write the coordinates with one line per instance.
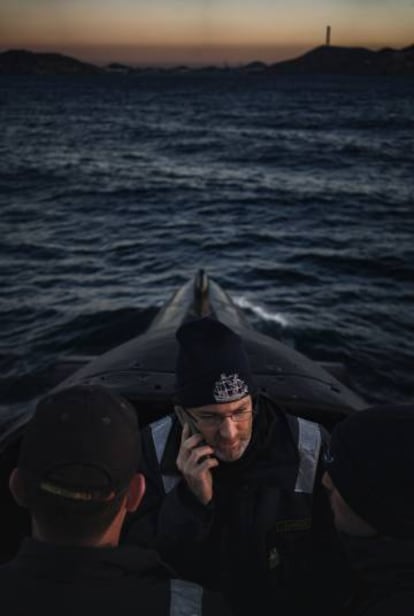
(185, 418)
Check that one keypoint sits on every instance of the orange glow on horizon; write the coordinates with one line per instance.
(202, 31)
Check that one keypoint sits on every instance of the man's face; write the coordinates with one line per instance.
(346, 520)
(226, 427)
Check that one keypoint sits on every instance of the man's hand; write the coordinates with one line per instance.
(195, 461)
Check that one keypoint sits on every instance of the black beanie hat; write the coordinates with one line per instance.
(212, 364)
(371, 463)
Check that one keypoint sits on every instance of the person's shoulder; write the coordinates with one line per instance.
(160, 443)
(9, 567)
(400, 603)
(159, 426)
(6, 569)
(13, 586)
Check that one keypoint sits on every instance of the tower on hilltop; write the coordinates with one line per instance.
(328, 35)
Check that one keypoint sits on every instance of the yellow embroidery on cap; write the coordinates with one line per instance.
(52, 488)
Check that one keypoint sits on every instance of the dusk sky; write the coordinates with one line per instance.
(200, 31)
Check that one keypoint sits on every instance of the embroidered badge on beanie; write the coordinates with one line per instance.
(229, 387)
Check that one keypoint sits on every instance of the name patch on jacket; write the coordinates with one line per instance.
(287, 541)
(288, 526)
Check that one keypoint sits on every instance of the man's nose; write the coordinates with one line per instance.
(228, 427)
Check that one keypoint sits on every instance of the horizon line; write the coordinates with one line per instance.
(130, 63)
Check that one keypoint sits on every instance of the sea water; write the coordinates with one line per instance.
(294, 193)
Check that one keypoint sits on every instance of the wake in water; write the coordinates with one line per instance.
(261, 312)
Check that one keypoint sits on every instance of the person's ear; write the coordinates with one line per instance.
(135, 492)
(16, 487)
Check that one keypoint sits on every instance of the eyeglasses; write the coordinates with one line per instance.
(214, 420)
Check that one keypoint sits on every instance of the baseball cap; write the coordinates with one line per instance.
(82, 443)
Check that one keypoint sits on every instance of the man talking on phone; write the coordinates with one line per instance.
(234, 498)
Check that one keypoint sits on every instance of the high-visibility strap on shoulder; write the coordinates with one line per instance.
(309, 446)
(160, 430)
(186, 598)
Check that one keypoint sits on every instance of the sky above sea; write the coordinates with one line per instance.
(200, 31)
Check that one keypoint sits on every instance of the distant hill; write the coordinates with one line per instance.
(324, 59)
(350, 60)
(21, 62)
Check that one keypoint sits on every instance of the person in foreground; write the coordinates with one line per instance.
(78, 475)
(370, 479)
(234, 498)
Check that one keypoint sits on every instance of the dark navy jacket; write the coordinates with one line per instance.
(71, 581)
(267, 537)
(385, 570)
